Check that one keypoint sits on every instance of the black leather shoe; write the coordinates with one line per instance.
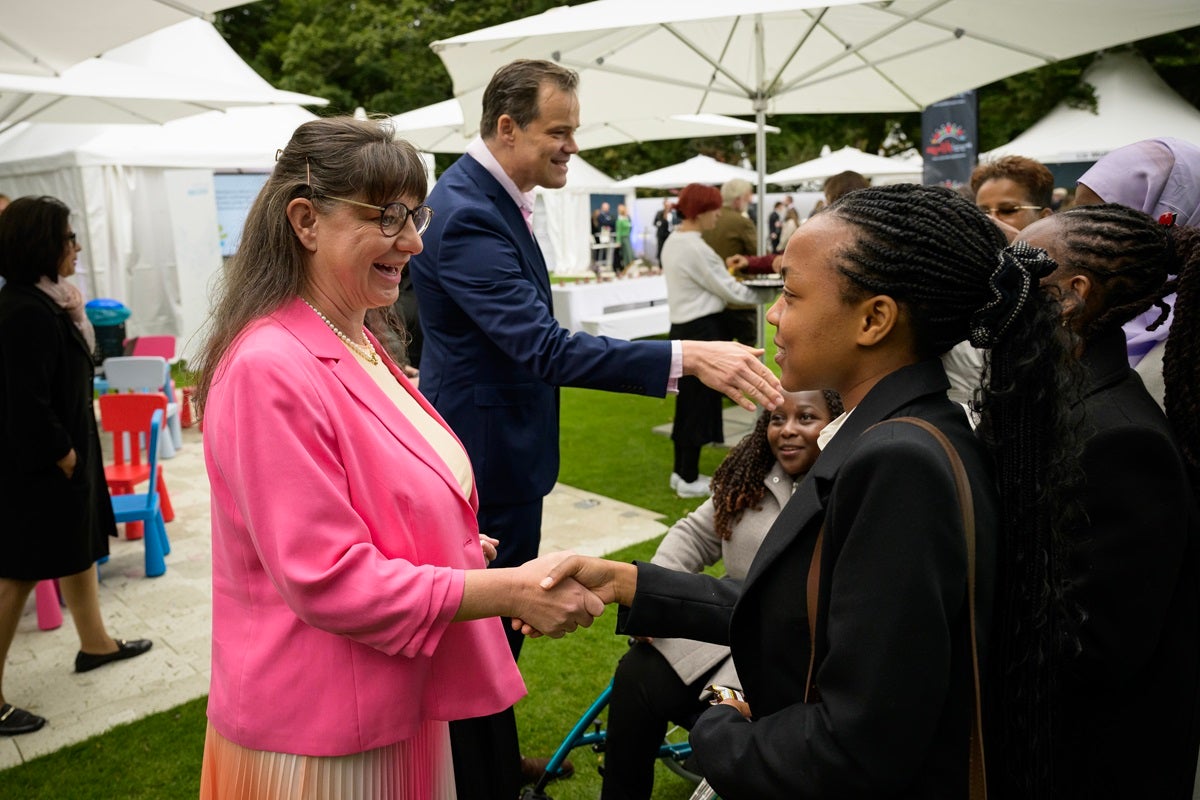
(532, 769)
(85, 662)
(15, 721)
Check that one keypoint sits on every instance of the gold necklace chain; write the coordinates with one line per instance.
(366, 352)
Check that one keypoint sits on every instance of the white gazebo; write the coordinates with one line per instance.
(890, 170)
(143, 197)
(1132, 103)
(697, 169)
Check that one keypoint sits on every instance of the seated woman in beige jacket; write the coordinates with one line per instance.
(663, 680)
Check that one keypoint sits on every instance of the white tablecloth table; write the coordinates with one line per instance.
(576, 302)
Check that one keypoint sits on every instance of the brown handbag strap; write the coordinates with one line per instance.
(812, 591)
(977, 767)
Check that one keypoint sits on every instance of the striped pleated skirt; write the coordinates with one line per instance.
(419, 768)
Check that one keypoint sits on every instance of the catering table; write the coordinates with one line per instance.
(626, 307)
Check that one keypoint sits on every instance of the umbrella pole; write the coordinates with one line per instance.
(760, 163)
(760, 137)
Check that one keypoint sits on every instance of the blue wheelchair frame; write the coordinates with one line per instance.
(671, 753)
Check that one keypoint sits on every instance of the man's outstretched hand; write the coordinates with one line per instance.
(734, 370)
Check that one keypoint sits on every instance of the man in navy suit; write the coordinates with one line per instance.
(494, 356)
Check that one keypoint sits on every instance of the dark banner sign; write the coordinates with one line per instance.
(949, 135)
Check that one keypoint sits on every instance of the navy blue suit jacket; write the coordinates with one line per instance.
(494, 355)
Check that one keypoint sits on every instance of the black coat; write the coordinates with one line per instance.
(53, 526)
(1132, 696)
(893, 656)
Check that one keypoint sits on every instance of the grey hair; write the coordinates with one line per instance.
(735, 189)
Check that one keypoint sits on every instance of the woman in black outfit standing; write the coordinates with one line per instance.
(877, 287)
(1130, 686)
(57, 513)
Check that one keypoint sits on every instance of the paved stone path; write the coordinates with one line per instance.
(174, 611)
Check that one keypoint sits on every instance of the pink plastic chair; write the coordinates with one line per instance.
(49, 607)
(161, 346)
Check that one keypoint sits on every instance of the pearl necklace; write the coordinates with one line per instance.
(366, 352)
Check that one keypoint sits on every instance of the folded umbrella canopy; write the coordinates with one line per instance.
(796, 56)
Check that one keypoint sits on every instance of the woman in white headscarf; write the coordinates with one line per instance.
(1160, 177)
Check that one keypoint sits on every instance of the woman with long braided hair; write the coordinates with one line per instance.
(662, 680)
(1129, 721)
(879, 702)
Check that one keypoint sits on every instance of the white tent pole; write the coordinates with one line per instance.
(760, 136)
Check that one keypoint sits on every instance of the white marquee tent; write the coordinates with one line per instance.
(562, 217)
(144, 203)
(828, 164)
(143, 197)
(1132, 103)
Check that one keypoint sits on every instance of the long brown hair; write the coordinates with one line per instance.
(338, 156)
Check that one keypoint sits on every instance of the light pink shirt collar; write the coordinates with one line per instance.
(479, 151)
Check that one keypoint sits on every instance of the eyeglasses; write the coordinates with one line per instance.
(1007, 210)
(393, 216)
(70, 237)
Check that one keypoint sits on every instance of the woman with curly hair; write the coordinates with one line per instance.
(662, 680)
(1130, 713)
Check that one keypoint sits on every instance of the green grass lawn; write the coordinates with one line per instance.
(607, 448)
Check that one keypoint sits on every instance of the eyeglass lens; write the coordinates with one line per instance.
(394, 215)
(1004, 211)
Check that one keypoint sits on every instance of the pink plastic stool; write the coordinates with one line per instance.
(49, 610)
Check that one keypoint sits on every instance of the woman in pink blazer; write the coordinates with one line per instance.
(352, 614)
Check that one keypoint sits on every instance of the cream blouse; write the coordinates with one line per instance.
(440, 439)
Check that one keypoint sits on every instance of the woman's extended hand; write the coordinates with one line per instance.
(557, 610)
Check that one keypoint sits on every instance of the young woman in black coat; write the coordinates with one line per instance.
(876, 288)
(57, 512)
(1130, 714)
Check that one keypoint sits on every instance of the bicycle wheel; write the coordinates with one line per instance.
(675, 752)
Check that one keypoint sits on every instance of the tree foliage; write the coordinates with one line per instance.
(376, 55)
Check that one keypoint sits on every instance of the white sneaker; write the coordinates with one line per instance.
(676, 480)
(696, 488)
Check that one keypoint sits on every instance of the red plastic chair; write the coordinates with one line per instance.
(127, 417)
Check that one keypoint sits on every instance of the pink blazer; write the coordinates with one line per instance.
(339, 545)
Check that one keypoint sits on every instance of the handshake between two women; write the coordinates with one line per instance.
(569, 590)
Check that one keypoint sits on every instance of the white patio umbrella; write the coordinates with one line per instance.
(797, 56)
(848, 158)
(181, 70)
(438, 128)
(697, 169)
(44, 39)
